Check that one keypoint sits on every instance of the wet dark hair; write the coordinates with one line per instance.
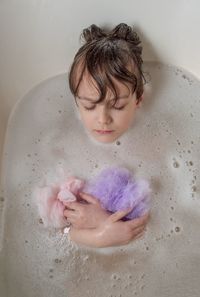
(106, 55)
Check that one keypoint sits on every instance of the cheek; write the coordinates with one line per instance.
(86, 118)
(126, 118)
(126, 121)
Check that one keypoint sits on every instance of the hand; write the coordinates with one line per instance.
(85, 216)
(112, 232)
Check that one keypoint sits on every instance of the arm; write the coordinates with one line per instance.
(93, 226)
(111, 232)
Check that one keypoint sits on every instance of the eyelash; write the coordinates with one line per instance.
(117, 108)
(89, 108)
(120, 108)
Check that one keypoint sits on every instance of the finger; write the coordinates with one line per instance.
(141, 234)
(71, 221)
(137, 232)
(142, 221)
(73, 205)
(139, 222)
(119, 215)
(70, 214)
(89, 198)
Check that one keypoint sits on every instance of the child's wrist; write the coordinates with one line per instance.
(100, 238)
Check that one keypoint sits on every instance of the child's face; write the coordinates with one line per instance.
(105, 121)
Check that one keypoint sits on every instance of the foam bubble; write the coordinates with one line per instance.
(175, 164)
(177, 229)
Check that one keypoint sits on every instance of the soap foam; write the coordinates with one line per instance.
(165, 128)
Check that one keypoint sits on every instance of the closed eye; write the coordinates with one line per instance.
(113, 106)
(89, 108)
(119, 108)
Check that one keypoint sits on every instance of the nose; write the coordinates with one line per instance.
(104, 117)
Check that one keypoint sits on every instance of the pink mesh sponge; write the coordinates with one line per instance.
(51, 201)
(115, 188)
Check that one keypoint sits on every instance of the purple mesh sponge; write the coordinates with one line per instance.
(117, 189)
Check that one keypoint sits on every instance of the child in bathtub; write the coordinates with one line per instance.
(106, 80)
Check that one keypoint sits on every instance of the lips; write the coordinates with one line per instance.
(104, 131)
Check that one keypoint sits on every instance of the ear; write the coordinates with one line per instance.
(139, 100)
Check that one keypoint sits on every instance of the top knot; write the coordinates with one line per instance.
(125, 32)
(121, 31)
(93, 33)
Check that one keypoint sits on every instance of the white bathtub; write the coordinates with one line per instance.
(38, 41)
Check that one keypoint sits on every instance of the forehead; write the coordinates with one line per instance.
(88, 88)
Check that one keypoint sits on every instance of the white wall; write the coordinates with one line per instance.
(38, 38)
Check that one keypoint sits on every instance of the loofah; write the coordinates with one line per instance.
(117, 189)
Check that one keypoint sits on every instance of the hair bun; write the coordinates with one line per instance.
(123, 31)
(92, 33)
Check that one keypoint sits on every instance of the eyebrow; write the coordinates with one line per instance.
(93, 100)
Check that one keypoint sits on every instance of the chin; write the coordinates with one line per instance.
(106, 138)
